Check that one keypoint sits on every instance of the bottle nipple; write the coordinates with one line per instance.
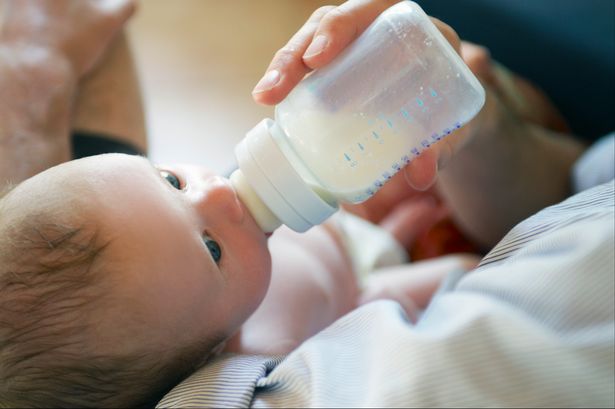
(263, 216)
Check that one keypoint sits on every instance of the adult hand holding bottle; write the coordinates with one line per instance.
(325, 34)
(525, 150)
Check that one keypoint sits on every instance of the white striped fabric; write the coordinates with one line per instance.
(228, 381)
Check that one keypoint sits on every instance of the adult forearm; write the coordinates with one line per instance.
(506, 173)
(36, 93)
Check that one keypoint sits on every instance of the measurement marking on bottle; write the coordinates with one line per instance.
(390, 123)
(361, 146)
(420, 102)
(347, 157)
(433, 92)
(375, 134)
(406, 115)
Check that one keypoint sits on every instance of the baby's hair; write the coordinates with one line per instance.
(51, 283)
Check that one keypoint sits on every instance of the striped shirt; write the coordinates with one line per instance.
(532, 326)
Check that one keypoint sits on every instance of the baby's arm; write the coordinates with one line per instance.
(413, 285)
(312, 285)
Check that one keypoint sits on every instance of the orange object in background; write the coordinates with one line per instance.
(441, 239)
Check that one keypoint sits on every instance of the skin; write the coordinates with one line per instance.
(109, 100)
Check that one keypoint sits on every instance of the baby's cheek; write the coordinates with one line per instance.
(252, 265)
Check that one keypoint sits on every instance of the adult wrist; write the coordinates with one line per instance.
(40, 64)
(36, 95)
(37, 89)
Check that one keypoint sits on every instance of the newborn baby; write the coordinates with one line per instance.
(117, 279)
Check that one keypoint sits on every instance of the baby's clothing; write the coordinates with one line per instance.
(368, 245)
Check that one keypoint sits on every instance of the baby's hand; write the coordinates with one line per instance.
(78, 30)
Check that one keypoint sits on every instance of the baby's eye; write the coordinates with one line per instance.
(213, 247)
(172, 179)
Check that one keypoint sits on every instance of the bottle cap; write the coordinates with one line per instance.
(272, 177)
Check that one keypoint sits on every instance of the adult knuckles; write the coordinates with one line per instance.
(338, 20)
(448, 32)
(286, 55)
(320, 12)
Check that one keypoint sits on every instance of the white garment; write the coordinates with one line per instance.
(596, 166)
(369, 246)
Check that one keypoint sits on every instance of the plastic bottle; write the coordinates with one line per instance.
(350, 126)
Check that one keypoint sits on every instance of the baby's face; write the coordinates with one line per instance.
(185, 256)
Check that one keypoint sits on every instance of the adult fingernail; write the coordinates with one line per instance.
(269, 81)
(318, 46)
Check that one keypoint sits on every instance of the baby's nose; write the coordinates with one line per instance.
(217, 201)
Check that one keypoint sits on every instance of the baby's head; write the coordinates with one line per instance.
(117, 279)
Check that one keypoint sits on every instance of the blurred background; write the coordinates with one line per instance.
(198, 61)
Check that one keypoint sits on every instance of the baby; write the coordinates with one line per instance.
(117, 279)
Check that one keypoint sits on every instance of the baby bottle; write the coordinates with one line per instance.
(349, 127)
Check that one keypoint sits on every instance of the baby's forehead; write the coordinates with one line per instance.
(108, 172)
(101, 166)
(77, 185)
